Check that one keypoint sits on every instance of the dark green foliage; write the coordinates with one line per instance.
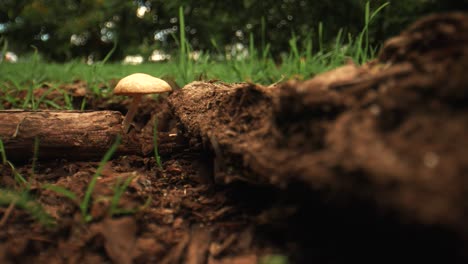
(63, 30)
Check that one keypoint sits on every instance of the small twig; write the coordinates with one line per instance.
(218, 160)
(18, 127)
(41, 239)
(7, 213)
(241, 101)
(277, 82)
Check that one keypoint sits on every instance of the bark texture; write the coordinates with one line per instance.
(63, 134)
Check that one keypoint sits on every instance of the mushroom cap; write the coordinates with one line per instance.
(141, 83)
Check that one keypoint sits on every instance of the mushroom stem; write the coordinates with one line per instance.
(131, 112)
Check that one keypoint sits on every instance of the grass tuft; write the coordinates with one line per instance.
(86, 201)
(119, 189)
(24, 201)
(84, 206)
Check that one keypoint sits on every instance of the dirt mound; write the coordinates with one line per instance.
(392, 131)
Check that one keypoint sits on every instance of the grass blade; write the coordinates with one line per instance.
(109, 54)
(61, 190)
(25, 202)
(119, 190)
(3, 153)
(155, 143)
(4, 48)
(18, 177)
(35, 154)
(87, 198)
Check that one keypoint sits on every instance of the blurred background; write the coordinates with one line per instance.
(142, 31)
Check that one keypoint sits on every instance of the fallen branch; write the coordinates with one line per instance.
(73, 135)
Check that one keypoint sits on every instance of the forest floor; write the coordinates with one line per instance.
(363, 163)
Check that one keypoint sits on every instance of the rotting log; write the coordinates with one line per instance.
(75, 135)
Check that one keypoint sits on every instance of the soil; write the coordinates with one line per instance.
(363, 163)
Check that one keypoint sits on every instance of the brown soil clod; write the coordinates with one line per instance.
(392, 131)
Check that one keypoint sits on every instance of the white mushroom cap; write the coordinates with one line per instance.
(141, 83)
(137, 85)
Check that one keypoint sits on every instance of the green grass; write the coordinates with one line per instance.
(301, 61)
(3, 153)
(273, 259)
(21, 198)
(26, 202)
(155, 143)
(84, 206)
(19, 81)
(86, 201)
(20, 180)
(21, 72)
(119, 189)
(23, 183)
(35, 155)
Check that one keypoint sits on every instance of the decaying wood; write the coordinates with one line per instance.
(72, 135)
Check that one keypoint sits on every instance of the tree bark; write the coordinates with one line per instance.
(73, 135)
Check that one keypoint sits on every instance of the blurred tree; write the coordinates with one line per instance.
(68, 29)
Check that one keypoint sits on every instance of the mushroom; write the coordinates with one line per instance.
(137, 85)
